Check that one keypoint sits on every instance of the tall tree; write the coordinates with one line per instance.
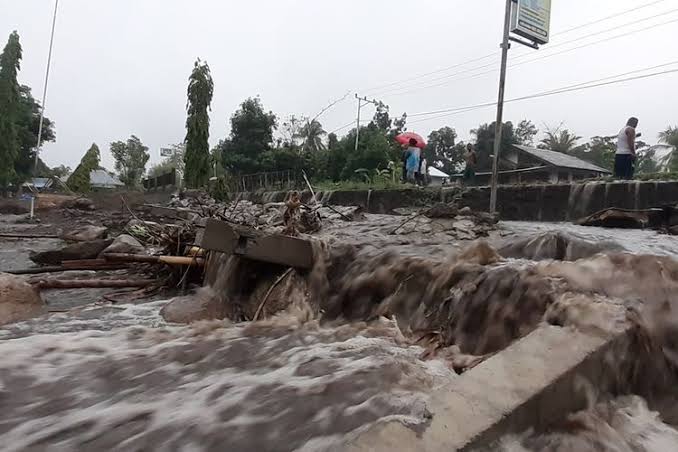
(525, 132)
(251, 136)
(10, 64)
(197, 156)
(441, 150)
(79, 181)
(560, 140)
(130, 160)
(28, 124)
(485, 142)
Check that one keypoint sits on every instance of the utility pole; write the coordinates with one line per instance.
(532, 22)
(360, 105)
(44, 91)
(500, 107)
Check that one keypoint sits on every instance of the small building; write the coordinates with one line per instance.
(524, 164)
(437, 177)
(38, 184)
(101, 180)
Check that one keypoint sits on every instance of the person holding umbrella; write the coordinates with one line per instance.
(414, 144)
(413, 156)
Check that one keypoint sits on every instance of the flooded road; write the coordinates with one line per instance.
(118, 377)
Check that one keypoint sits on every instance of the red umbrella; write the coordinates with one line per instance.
(404, 138)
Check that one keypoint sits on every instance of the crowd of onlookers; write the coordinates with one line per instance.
(415, 166)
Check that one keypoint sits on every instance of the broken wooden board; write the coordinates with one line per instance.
(275, 249)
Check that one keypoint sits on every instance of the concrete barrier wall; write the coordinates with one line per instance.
(557, 202)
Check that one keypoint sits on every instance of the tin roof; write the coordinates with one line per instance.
(561, 160)
(100, 178)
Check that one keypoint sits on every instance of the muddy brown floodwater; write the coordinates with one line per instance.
(118, 377)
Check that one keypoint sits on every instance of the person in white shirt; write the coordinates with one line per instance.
(625, 156)
(423, 172)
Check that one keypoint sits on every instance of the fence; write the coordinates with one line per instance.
(164, 180)
(269, 181)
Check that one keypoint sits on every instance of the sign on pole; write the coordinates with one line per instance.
(165, 152)
(531, 19)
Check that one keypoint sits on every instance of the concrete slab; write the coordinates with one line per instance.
(274, 249)
(533, 383)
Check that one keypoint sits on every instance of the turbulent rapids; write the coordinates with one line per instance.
(367, 336)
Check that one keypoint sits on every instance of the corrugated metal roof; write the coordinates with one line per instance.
(100, 178)
(562, 160)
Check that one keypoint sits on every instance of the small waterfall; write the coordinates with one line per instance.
(327, 196)
(607, 194)
(367, 205)
(541, 203)
(636, 197)
(572, 200)
(586, 195)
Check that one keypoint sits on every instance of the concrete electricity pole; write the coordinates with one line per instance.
(532, 22)
(500, 107)
(357, 124)
(44, 91)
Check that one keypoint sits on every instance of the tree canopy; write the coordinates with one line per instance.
(28, 124)
(442, 150)
(251, 136)
(10, 63)
(197, 155)
(130, 158)
(560, 140)
(485, 142)
(79, 181)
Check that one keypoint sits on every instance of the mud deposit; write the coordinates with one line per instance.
(391, 319)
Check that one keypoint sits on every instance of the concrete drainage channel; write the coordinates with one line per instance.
(533, 383)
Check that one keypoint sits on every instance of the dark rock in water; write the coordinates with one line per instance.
(623, 218)
(79, 204)
(125, 243)
(82, 250)
(18, 300)
(203, 305)
(441, 210)
(85, 234)
(555, 245)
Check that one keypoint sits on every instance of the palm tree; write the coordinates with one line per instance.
(312, 133)
(560, 141)
(670, 137)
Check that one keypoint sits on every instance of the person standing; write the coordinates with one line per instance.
(471, 160)
(625, 156)
(413, 155)
(423, 172)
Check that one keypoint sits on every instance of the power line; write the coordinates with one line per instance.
(472, 76)
(571, 88)
(622, 13)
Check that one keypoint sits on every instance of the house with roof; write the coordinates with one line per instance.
(524, 164)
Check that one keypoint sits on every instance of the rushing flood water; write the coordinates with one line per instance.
(118, 377)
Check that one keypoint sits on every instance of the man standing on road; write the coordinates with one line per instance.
(625, 156)
(471, 161)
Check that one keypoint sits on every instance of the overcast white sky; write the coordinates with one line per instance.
(121, 67)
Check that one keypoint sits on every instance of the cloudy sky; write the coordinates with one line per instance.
(121, 67)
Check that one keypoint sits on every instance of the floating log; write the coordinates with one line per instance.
(92, 283)
(11, 235)
(169, 260)
(65, 268)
